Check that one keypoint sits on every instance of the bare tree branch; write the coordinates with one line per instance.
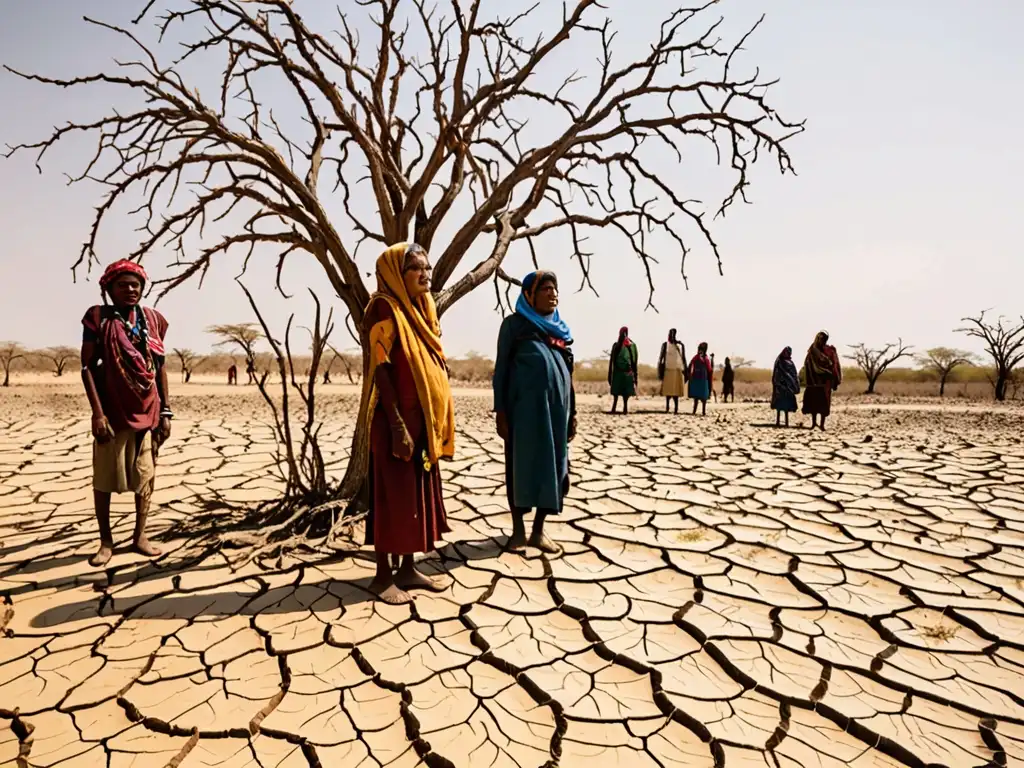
(416, 136)
(875, 362)
(1004, 343)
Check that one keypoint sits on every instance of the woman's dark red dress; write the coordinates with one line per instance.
(407, 512)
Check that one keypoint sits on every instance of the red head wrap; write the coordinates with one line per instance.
(118, 268)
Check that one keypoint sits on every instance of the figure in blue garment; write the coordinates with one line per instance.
(535, 408)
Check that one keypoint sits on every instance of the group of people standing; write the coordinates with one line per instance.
(406, 407)
(822, 373)
(676, 375)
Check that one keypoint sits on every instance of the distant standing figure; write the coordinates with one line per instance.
(250, 369)
(701, 373)
(623, 372)
(672, 370)
(126, 382)
(785, 386)
(233, 375)
(824, 374)
(728, 382)
(535, 408)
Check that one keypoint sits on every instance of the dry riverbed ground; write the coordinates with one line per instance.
(729, 595)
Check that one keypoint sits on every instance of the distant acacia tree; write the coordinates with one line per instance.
(60, 357)
(741, 362)
(244, 336)
(875, 362)
(1004, 343)
(189, 361)
(10, 353)
(943, 361)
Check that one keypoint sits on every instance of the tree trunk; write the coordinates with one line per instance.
(354, 485)
(7, 377)
(871, 385)
(942, 386)
(1001, 387)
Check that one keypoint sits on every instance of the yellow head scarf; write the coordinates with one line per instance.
(419, 332)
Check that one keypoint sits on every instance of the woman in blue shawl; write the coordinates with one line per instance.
(535, 408)
(785, 386)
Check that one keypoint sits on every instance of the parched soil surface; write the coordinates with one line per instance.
(729, 594)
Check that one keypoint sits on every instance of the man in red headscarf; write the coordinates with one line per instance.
(126, 383)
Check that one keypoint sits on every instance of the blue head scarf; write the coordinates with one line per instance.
(551, 325)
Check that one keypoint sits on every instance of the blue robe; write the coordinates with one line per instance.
(533, 388)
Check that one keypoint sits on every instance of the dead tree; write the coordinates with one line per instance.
(348, 360)
(245, 336)
(10, 353)
(1004, 343)
(60, 357)
(943, 361)
(306, 509)
(874, 362)
(447, 120)
(189, 361)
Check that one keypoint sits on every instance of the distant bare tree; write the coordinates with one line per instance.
(189, 361)
(242, 335)
(1004, 343)
(351, 362)
(60, 356)
(875, 362)
(10, 353)
(741, 362)
(943, 361)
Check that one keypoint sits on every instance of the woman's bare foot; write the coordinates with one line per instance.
(516, 542)
(389, 592)
(102, 556)
(144, 547)
(414, 579)
(544, 544)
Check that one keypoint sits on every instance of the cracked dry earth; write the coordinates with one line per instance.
(729, 595)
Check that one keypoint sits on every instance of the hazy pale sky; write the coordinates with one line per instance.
(905, 216)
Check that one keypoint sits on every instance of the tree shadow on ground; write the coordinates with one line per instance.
(246, 595)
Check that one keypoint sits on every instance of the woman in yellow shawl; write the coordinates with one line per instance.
(408, 401)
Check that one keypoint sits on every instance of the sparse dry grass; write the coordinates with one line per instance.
(940, 632)
(692, 535)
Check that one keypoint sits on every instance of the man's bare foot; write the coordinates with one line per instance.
(102, 556)
(413, 579)
(144, 547)
(516, 542)
(544, 544)
(389, 592)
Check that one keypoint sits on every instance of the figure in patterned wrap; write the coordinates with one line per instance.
(623, 370)
(823, 375)
(785, 386)
(126, 383)
(672, 370)
(728, 382)
(701, 373)
(535, 408)
(407, 399)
